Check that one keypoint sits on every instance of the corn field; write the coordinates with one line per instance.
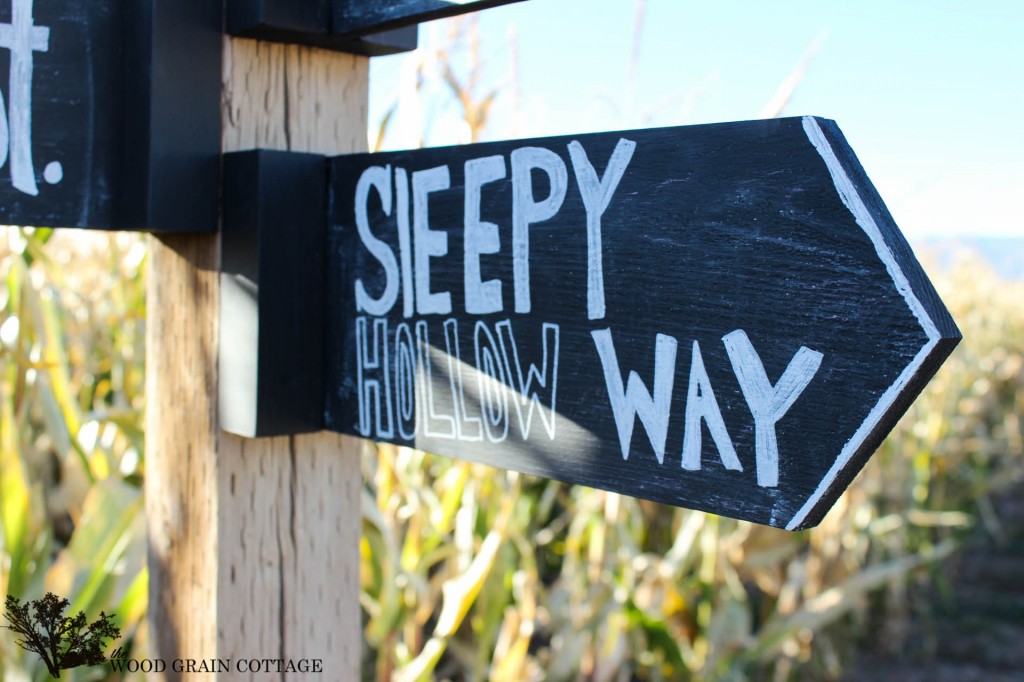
(71, 440)
(471, 573)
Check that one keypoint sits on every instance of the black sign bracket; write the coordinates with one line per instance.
(272, 293)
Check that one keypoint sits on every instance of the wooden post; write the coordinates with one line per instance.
(253, 544)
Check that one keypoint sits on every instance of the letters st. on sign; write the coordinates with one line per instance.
(720, 317)
(102, 123)
(31, 163)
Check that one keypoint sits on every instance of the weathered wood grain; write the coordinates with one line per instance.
(253, 542)
(181, 486)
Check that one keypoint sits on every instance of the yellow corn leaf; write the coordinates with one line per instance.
(514, 642)
(459, 595)
(132, 608)
(14, 495)
(55, 359)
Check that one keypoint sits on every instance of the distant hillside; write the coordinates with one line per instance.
(1006, 254)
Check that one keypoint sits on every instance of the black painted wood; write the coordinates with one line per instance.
(369, 27)
(272, 293)
(308, 22)
(112, 110)
(769, 227)
(362, 16)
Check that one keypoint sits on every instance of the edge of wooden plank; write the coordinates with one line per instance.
(171, 120)
(942, 335)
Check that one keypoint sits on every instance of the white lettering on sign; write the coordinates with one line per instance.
(526, 391)
(410, 272)
(428, 243)
(374, 379)
(493, 399)
(472, 402)
(468, 426)
(378, 178)
(436, 423)
(597, 194)
(701, 405)
(404, 241)
(767, 403)
(481, 236)
(634, 400)
(527, 210)
(416, 380)
(22, 37)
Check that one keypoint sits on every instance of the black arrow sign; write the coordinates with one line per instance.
(721, 317)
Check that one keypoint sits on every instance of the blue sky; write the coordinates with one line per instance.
(929, 94)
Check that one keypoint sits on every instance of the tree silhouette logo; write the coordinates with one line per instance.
(62, 642)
